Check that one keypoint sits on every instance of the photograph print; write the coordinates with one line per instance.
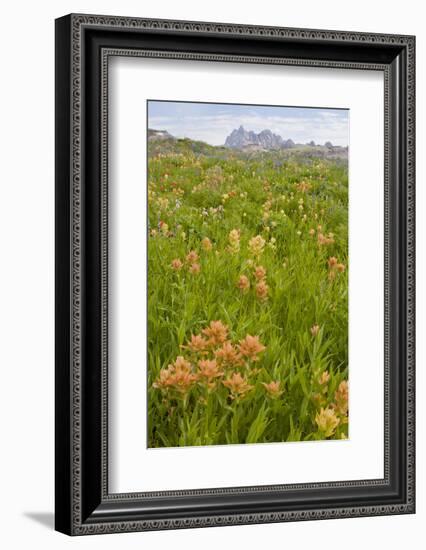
(247, 274)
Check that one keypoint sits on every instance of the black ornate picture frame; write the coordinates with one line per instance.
(84, 43)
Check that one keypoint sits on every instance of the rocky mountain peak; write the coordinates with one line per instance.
(266, 139)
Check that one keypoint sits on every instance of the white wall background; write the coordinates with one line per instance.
(26, 286)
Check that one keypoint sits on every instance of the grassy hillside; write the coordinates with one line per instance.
(247, 295)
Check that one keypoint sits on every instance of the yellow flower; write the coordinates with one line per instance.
(341, 397)
(315, 330)
(234, 236)
(177, 264)
(256, 245)
(164, 228)
(324, 378)
(163, 203)
(262, 290)
(234, 241)
(340, 268)
(206, 244)
(237, 385)
(243, 283)
(318, 399)
(327, 421)
(250, 347)
(178, 191)
(273, 389)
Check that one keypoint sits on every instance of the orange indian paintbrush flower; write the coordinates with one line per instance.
(262, 290)
(243, 283)
(216, 333)
(209, 369)
(273, 389)
(164, 380)
(303, 186)
(228, 355)
(335, 267)
(260, 273)
(177, 264)
(323, 240)
(195, 268)
(237, 384)
(192, 257)
(250, 347)
(197, 343)
(332, 262)
(178, 375)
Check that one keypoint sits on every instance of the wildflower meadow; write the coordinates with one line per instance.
(247, 295)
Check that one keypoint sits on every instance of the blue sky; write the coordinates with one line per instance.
(213, 122)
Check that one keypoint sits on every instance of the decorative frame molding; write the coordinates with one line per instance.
(84, 43)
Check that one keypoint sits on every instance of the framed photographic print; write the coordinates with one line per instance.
(234, 274)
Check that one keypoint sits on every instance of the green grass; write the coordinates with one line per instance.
(197, 195)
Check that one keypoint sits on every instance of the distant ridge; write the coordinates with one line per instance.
(158, 134)
(241, 142)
